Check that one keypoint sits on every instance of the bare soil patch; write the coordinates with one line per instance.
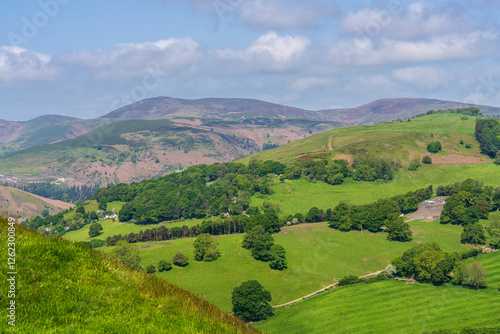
(429, 210)
(457, 159)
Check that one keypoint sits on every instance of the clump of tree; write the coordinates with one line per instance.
(251, 302)
(414, 164)
(372, 217)
(473, 234)
(487, 133)
(434, 147)
(95, 230)
(263, 248)
(196, 192)
(331, 172)
(469, 202)
(494, 232)
(471, 111)
(205, 248)
(426, 262)
(349, 280)
(397, 229)
(469, 274)
(180, 260)
(369, 168)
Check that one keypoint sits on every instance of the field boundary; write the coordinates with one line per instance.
(334, 286)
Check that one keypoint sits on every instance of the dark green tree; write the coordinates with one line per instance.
(205, 248)
(398, 229)
(164, 265)
(251, 236)
(278, 258)
(314, 215)
(473, 234)
(251, 301)
(95, 229)
(80, 209)
(262, 247)
(151, 269)
(427, 160)
(180, 260)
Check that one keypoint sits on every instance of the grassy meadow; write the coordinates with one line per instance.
(317, 256)
(387, 307)
(300, 195)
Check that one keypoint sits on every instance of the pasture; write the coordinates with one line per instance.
(387, 307)
(317, 256)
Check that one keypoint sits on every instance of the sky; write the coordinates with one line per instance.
(87, 58)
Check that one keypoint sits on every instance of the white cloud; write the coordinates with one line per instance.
(422, 77)
(131, 60)
(417, 21)
(473, 45)
(269, 52)
(18, 64)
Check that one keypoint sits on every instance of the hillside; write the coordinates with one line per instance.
(127, 151)
(398, 140)
(25, 205)
(68, 287)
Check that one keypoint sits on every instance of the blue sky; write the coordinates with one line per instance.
(86, 58)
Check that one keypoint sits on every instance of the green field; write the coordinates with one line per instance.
(317, 256)
(491, 263)
(387, 307)
(111, 228)
(300, 195)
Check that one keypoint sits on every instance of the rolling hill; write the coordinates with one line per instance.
(24, 205)
(68, 287)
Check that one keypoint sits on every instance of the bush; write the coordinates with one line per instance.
(471, 253)
(180, 260)
(349, 280)
(205, 248)
(164, 266)
(151, 269)
(471, 274)
(467, 145)
(434, 147)
(427, 160)
(414, 164)
(461, 141)
(390, 271)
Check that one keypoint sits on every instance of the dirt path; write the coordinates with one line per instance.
(334, 285)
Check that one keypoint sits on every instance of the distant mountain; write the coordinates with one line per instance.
(159, 135)
(392, 109)
(17, 202)
(228, 109)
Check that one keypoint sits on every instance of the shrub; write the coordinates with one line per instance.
(461, 141)
(349, 280)
(390, 271)
(427, 160)
(180, 260)
(467, 145)
(164, 265)
(151, 269)
(471, 274)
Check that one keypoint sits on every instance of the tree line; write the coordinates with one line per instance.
(61, 192)
(487, 133)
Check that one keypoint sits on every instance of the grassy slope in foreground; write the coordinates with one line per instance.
(62, 286)
(316, 254)
(388, 307)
